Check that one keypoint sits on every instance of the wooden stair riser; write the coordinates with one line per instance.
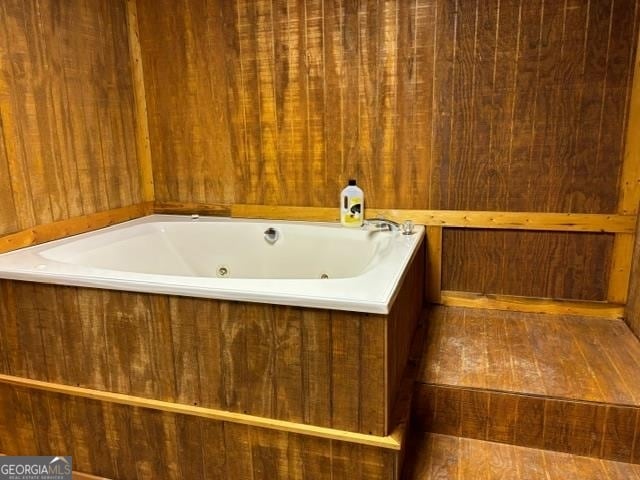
(591, 429)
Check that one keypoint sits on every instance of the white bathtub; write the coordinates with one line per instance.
(228, 259)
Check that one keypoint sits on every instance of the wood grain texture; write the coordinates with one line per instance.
(241, 357)
(632, 311)
(558, 382)
(174, 446)
(590, 429)
(433, 280)
(436, 456)
(402, 322)
(145, 165)
(67, 112)
(310, 95)
(561, 222)
(391, 442)
(327, 368)
(487, 106)
(560, 356)
(72, 226)
(537, 264)
(514, 303)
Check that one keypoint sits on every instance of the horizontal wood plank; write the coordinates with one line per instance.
(179, 208)
(172, 445)
(73, 226)
(561, 222)
(388, 442)
(517, 352)
(531, 304)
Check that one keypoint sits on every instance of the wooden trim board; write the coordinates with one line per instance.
(620, 271)
(629, 190)
(143, 145)
(628, 195)
(561, 222)
(388, 442)
(178, 208)
(433, 280)
(532, 305)
(73, 226)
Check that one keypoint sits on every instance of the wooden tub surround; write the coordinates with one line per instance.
(270, 372)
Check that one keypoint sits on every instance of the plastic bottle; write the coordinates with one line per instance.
(352, 205)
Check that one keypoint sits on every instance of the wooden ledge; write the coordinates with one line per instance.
(532, 304)
(179, 208)
(561, 222)
(73, 226)
(388, 442)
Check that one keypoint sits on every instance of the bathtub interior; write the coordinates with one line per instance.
(229, 250)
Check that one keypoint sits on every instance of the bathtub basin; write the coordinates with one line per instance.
(319, 265)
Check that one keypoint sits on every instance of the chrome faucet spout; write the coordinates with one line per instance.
(380, 223)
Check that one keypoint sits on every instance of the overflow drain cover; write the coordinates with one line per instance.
(324, 276)
(222, 271)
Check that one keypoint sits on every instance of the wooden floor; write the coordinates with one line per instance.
(588, 359)
(443, 457)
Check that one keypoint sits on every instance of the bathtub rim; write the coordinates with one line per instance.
(172, 284)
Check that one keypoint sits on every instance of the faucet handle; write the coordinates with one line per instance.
(407, 227)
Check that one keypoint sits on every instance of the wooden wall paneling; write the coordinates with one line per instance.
(143, 147)
(629, 198)
(479, 81)
(271, 361)
(629, 188)
(177, 41)
(66, 105)
(401, 326)
(443, 69)
(521, 271)
(390, 442)
(629, 184)
(345, 367)
(13, 115)
(176, 445)
(241, 22)
(9, 220)
(414, 77)
(316, 363)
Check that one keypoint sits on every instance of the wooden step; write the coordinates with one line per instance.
(557, 382)
(443, 457)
